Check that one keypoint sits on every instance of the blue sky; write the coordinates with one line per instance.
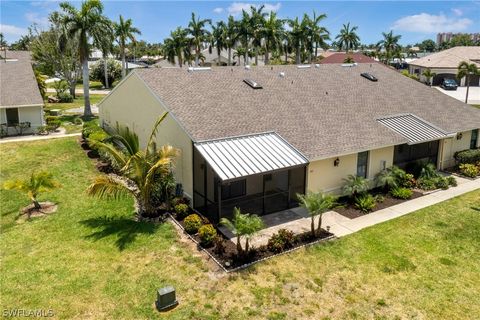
(414, 20)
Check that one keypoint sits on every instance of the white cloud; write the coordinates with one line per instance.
(33, 17)
(11, 31)
(218, 10)
(237, 7)
(428, 23)
(457, 12)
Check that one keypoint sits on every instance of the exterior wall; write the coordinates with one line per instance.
(437, 71)
(452, 145)
(132, 104)
(323, 176)
(33, 114)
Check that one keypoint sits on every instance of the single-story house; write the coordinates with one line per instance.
(445, 63)
(339, 57)
(21, 104)
(254, 137)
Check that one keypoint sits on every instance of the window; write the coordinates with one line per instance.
(12, 116)
(474, 139)
(362, 164)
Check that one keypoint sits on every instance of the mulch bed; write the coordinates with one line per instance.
(348, 209)
(45, 208)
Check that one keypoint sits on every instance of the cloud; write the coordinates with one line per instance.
(428, 23)
(41, 21)
(237, 7)
(457, 12)
(218, 10)
(12, 31)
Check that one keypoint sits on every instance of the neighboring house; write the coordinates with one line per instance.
(299, 128)
(339, 57)
(445, 64)
(21, 104)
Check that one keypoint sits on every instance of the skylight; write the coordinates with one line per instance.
(252, 84)
(369, 76)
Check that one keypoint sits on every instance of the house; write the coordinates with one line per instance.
(339, 57)
(21, 104)
(254, 137)
(445, 63)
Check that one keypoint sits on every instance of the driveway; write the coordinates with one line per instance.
(459, 94)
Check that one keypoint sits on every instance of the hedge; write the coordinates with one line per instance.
(471, 156)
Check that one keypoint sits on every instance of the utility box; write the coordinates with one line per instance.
(166, 298)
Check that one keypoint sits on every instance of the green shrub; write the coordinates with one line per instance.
(114, 71)
(452, 181)
(65, 97)
(469, 170)
(408, 181)
(401, 193)
(391, 177)
(192, 223)
(426, 184)
(42, 130)
(379, 198)
(207, 234)
(280, 241)
(78, 121)
(355, 185)
(470, 156)
(429, 171)
(441, 183)
(50, 119)
(365, 202)
(181, 211)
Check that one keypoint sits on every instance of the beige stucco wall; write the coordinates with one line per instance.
(452, 145)
(323, 176)
(132, 104)
(33, 114)
(437, 71)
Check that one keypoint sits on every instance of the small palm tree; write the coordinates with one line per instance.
(33, 186)
(243, 225)
(355, 185)
(390, 177)
(427, 73)
(196, 28)
(124, 31)
(317, 204)
(467, 70)
(348, 59)
(347, 38)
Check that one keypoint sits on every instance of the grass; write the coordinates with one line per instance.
(78, 102)
(94, 85)
(476, 105)
(90, 260)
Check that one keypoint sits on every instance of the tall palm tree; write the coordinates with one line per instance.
(218, 38)
(272, 32)
(177, 45)
(245, 32)
(427, 73)
(467, 70)
(389, 43)
(231, 36)
(257, 22)
(106, 46)
(316, 204)
(318, 34)
(85, 23)
(241, 52)
(124, 31)
(139, 170)
(297, 36)
(347, 38)
(196, 28)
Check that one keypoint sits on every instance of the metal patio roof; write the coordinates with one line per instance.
(237, 157)
(413, 128)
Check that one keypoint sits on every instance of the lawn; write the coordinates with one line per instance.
(78, 102)
(90, 260)
(476, 105)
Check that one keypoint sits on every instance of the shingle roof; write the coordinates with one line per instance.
(18, 86)
(339, 57)
(323, 112)
(450, 58)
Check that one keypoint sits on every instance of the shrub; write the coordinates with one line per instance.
(355, 185)
(408, 181)
(219, 244)
(426, 184)
(452, 181)
(114, 71)
(65, 97)
(470, 156)
(365, 203)
(42, 130)
(283, 239)
(77, 121)
(469, 170)
(379, 198)
(429, 171)
(401, 193)
(181, 211)
(391, 177)
(441, 183)
(207, 234)
(192, 223)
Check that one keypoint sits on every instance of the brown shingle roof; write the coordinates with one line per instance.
(339, 57)
(450, 58)
(18, 86)
(323, 112)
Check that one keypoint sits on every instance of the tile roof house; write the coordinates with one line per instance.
(445, 63)
(339, 57)
(21, 104)
(254, 137)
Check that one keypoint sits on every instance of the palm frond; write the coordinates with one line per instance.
(108, 187)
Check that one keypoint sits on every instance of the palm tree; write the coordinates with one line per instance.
(318, 34)
(243, 225)
(390, 178)
(467, 70)
(355, 185)
(85, 23)
(218, 38)
(347, 38)
(272, 32)
(231, 36)
(390, 44)
(106, 46)
(427, 73)
(245, 32)
(196, 28)
(140, 171)
(124, 31)
(37, 183)
(257, 22)
(297, 37)
(241, 52)
(177, 46)
(316, 204)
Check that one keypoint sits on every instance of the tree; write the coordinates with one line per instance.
(389, 43)
(316, 203)
(124, 31)
(114, 71)
(218, 39)
(86, 23)
(297, 38)
(23, 43)
(177, 46)
(427, 73)
(243, 226)
(42, 86)
(427, 45)
(257, 21)
(140, 170)
(347, 38)
(37, 183)
(231, 36)
(196, 28)
(466, 70)
(355, 185)
(317, 35)
(272, 32)
(106, 46)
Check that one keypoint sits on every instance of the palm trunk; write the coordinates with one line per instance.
(266, 55)
(286, 55)
(218, 57)
(312, 226)
(72, 84)
(298, 58)
(467, 80)
(319, 224)
(36, 204)
(239, 246)
(106, 71)
(316, 48)
(246, 245)
(197, 56)
(229, 56)
(256, 58)
(124, 71)
(87, 112)
(246, 52)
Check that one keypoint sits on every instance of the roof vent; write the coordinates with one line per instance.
(369, 76)
(190, 69)
(247, 67)
(317, 65)
(304, 66)
(349, 65)
(282, 74)
(252, 84)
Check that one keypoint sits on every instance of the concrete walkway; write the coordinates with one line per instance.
(35, 137)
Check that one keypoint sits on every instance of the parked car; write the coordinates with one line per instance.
(449, 84)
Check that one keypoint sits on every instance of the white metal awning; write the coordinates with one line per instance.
(237, 157)
(413, 128)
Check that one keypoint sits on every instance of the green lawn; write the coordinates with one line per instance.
(476, 105)
(90, 260)
(94, 85)
(78, 102)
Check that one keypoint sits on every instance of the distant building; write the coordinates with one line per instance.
(447, 36)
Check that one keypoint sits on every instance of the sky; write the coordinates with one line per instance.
(414, 20)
